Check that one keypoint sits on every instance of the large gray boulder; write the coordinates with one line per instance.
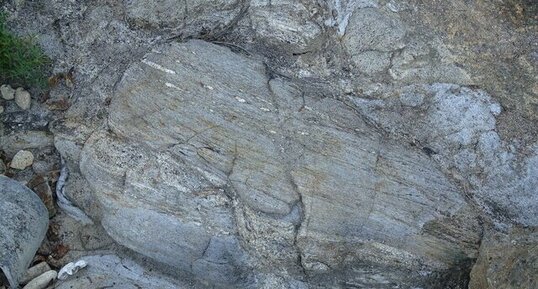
(23, 225)
(213, 167)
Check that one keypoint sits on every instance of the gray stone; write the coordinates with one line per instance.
(35, 271)
(23, 226)
(371, 29)
(22, 98)
(106, 270)
(8, 93)
(444, 155)
(191, 16)
(456, 125)
(41, 281)
(372, 62)
(27, 140)
(428, 61)
(206, 163)
(22, 160)
(285, 23)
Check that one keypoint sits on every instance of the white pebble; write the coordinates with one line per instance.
(71, 269)
(1, 109)
(22, 98)
(41, 281)
(7, 92)
(22, 159)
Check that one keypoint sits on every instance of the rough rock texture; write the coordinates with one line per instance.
(296, 179)
(297, 144)
(457, 127)
(206, 17)
(23, 225)
(507, 260)
(27, 140)
(8, 93)
(107, 271)
(22, 159)
(22, 98)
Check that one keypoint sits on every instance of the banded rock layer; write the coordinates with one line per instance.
(213, 165)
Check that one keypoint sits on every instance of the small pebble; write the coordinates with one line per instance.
(41, 281)
(71, 269)
(34, 271)
(22, 98)
(1, 109)
(22, 159)
(7, 92)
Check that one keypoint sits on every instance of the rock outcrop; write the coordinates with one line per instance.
(297, 144)
(215, 175)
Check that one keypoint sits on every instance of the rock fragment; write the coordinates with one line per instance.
(22, 98)
(26, 140)
(23, 226)
(7, 92)
(34, 272)
(71, 269)
(42, 281)
(22, 159)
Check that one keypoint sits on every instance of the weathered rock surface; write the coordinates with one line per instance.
(507, 260)
(112, 271)
(342, 143)
(285, 24)
(196, 16)
(246, 168)
(23, 226)
(27, 140)
(457, 126)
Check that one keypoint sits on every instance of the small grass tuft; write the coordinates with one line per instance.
(22, 62)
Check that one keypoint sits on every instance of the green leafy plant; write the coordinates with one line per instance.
(22, 62)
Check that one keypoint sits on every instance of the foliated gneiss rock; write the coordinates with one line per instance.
(214, 168)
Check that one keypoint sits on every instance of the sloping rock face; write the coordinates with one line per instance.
(221, 175)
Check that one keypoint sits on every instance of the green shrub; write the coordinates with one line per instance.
(22, 62)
